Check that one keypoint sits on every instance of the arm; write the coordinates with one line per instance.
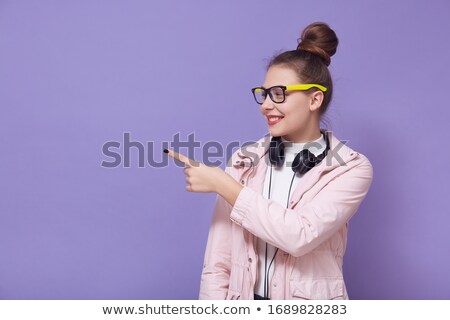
(298, 231)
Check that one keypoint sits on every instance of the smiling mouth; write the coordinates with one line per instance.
(271, 120)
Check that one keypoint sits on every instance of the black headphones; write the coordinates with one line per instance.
(304, 161)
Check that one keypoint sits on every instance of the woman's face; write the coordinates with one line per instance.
(297, 118)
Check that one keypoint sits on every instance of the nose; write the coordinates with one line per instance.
(268, 104)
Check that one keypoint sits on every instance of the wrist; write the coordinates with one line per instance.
(220, 181)
(228, 188)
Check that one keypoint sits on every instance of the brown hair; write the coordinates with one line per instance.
(311, 59)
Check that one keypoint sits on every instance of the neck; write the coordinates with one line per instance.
(303, 137)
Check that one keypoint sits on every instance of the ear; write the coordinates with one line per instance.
(315, 101)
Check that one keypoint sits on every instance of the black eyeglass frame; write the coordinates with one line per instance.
(301, 87)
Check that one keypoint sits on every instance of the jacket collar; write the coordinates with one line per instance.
(338, 155)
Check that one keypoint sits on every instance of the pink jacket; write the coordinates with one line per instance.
(311, 234)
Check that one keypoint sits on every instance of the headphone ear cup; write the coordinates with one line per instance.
(276, 151)
(303, 162)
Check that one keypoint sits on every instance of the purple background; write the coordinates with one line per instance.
(77, 74)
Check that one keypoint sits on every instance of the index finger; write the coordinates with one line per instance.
(182, 158)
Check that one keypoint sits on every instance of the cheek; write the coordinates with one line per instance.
(296, 111)
(296, 121)
(297, 116)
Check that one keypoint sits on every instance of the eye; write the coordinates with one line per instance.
(277, 92)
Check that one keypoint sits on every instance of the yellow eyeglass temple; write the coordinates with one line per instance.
(303, 86)
(306, 86)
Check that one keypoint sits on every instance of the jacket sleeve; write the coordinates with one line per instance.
(299, 230)
(217, 263)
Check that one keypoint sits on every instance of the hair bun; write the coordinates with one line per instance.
(319, 39)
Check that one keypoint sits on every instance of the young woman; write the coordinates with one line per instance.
(279, 226)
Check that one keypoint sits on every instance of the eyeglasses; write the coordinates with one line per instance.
(278, 93)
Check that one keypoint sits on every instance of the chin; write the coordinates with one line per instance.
(276, 133)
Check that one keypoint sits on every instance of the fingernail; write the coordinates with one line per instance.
(166, 151)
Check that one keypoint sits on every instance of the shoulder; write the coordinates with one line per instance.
(342, 155)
